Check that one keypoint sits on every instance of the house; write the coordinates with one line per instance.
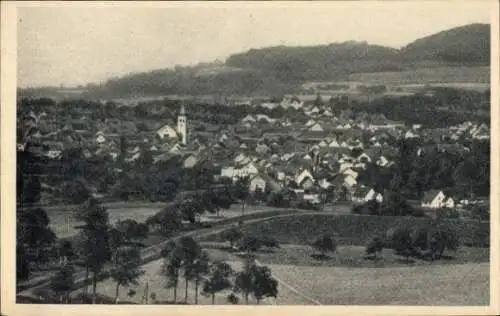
(310, 123)
(350, 181)
(410, 135)
(257, 182)
(434, 199)
(334, 144)
(314, 198)
(316, 128)
(190, 161)
(166, 131)
(248, 119)
(100, 138)
(365, 194)
(383, 162)
(364, 158)
(304, 179)
(246, 170)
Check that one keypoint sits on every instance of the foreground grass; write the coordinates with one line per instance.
(462, 284)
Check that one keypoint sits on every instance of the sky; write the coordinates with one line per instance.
(85, 43)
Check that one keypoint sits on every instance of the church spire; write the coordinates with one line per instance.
(183, 111)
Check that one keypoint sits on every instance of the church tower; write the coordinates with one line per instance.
(181, 125)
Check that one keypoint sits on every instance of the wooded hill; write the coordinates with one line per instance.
(276, 70)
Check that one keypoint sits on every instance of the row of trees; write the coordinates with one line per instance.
(418, 241)
(186, 259)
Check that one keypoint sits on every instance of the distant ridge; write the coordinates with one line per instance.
(469, 44)
(279, 69)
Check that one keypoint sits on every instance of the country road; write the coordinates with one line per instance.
(153, 252)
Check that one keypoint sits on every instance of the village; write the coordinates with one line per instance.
(316, 153)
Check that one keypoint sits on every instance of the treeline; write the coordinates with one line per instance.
(461, 105)
(459, 173)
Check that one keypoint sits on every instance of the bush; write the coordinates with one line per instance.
(400, 240)
(269, 242)
(374, 245)
(442, 238)
(249, 244)
(324, 244)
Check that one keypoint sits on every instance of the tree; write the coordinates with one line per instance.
(190, 209)
(33, 237)
(94, 234)
(374, 245)
(65, 252)
(244, 282)
(241, 191)
(250, 244)
(233, 299)
(441, 238)
(264, 285)
(401, 241)
(171, 266)
(269, 242)
(169, 220)
(197, 270)
(218, 280)
(325, 244)
(232, 235)
(190, 252)
(63, 282)
(126, 267)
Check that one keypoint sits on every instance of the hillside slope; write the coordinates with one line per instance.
(469, 44)
(274, 70)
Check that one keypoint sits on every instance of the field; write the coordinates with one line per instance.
(351, 229)
(353, 256)
(426, 75)
(465, 284)
(62, 222)
(457, 284)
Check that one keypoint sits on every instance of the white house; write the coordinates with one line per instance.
(334, 144)
(190, 161)
(363, 195)
(322, 144)
(257, 182)
(264, 117)
(316, 128)
(239, 158)
(410, 135)
(305, 174)
(248, 119)
(247, 170)
(351, 172)
(364, 158)
(310, 123)
(166, 131)
(269, 105)
(436, 199)
(350, 181)
(382, 161)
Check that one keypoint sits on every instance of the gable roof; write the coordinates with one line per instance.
(430, 195)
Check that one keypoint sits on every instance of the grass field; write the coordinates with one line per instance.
(426, 75)
(351, 229)
(354, 256)
(466, 284)
(62, 222)
(437, 284)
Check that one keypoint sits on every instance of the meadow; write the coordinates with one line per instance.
(348, 229)
(426, 75)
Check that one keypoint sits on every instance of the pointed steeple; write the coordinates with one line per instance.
(183, 111)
